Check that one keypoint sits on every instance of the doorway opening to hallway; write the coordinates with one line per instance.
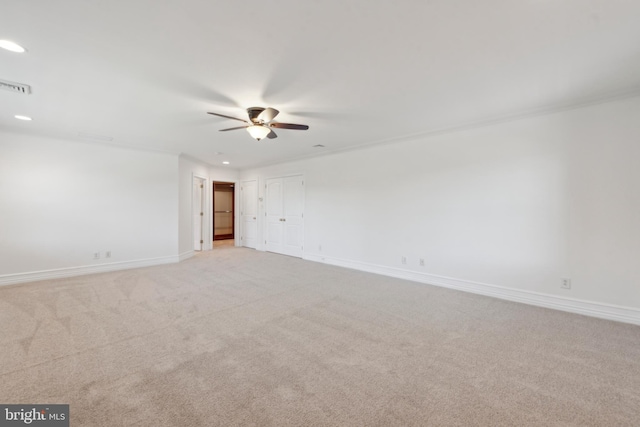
(223, 212)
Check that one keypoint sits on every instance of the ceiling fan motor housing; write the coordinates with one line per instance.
(254, 112)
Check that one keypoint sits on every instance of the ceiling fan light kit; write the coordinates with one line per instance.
(261, 122)
(258, 131)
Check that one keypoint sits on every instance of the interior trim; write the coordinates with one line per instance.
(58, 273)
(571, 305)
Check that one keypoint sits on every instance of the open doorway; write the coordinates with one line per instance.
(223, 213)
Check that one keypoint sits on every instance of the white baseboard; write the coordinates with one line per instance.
(12, 279)
(587, 308)
(186, 255)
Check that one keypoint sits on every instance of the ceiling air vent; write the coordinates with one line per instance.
(15, 87)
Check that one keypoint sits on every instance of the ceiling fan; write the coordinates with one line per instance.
(261, 122)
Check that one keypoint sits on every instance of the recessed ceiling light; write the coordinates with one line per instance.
(13, 47)
(225, 163)
(23, 118)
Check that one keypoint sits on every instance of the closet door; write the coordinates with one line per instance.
(274, 215)
(284, 215)
(292, 212)
(249, 214)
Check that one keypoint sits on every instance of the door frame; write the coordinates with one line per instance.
(231, 236)
(204, 230)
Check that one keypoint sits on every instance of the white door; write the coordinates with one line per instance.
(198, 214)
(293, 205)
(249, 214)
(284, 215)
(274, 215)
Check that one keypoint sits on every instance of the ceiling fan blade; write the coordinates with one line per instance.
(268, 114)
(272, 135)
(226, 117)
(288, 126)
(239, 127)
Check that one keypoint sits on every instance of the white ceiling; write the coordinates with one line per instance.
(145, 72)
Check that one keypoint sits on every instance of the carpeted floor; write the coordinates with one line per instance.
(236, 337)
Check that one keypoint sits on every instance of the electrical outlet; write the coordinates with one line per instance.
(421, 262)
(319, 248)
(565, 283)
(403, 259)
(107, 254)
(96, 255)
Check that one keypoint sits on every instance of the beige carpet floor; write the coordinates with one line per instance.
(236, 337)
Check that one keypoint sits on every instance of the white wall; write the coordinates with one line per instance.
(224, 174)
(516, 205)
(513, 206)
(62, 201)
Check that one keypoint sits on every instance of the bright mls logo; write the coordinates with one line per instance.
(34, 415)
